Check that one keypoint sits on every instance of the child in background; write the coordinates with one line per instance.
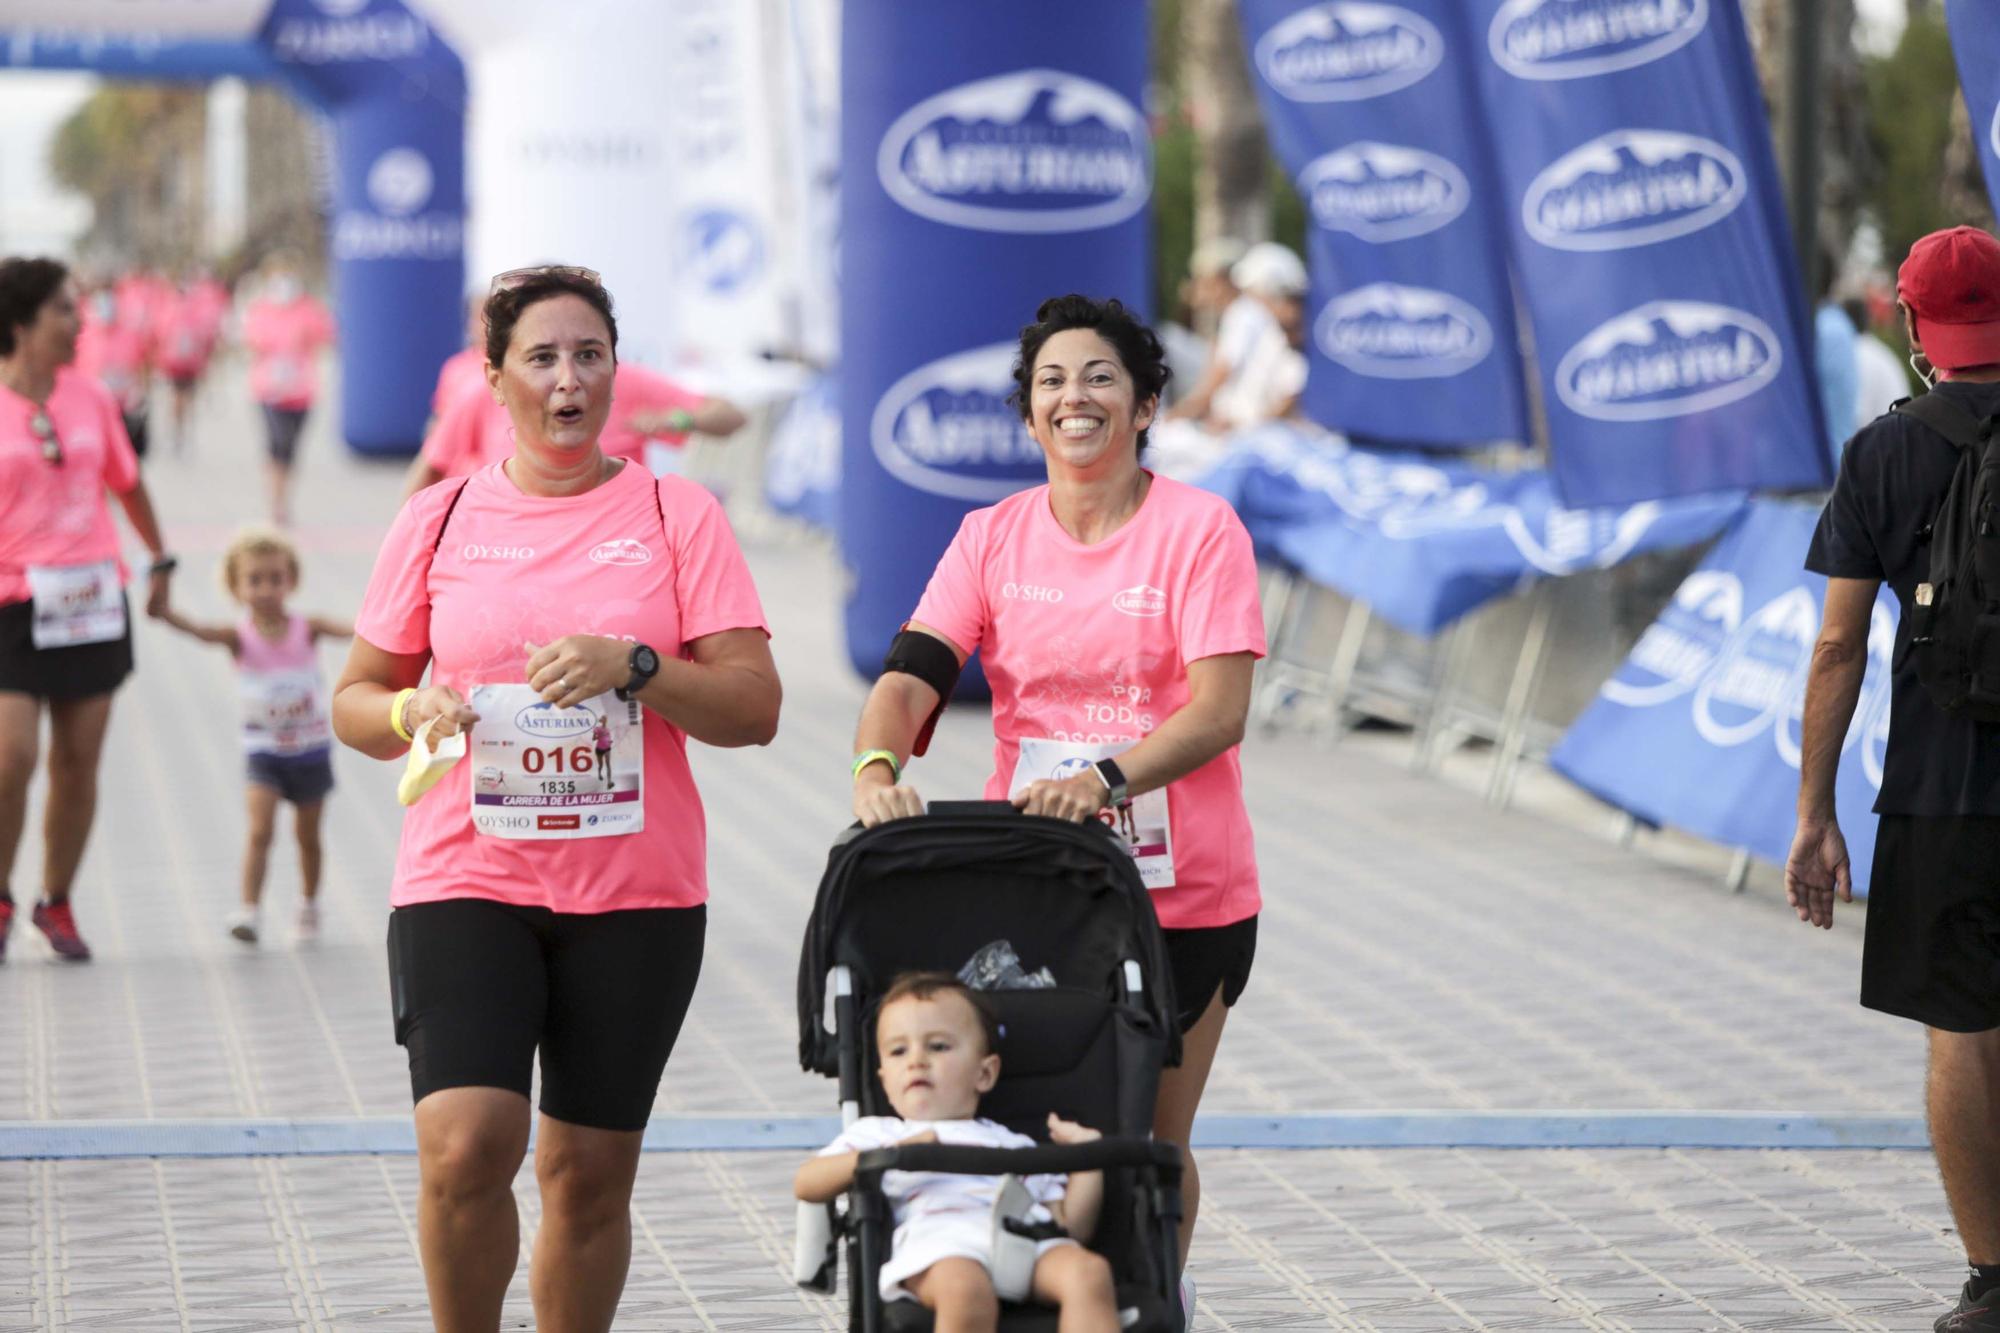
(287, 734)
(936, 1041)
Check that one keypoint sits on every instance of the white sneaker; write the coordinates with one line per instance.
(1187, 1303)
(308, 924)
(243, 924)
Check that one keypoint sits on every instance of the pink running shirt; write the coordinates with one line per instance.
(114, 354)
(284, 341)
(474, 431)
(639, 391)
(183, 336)
(284, 699)
(514, 568)
(461, 372)
(1091, 644)
(54, 515)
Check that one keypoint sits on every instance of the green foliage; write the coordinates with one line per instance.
(1174, 153)
(1910, 120)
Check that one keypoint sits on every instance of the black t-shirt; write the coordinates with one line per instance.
(1892, 480)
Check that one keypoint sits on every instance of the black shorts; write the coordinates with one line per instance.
(59, 673)
(477, 986)
(1207, 959)
(1932, 948)
(135, 431)
(302, 779)
(281, 432)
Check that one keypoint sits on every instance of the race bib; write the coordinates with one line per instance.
(282, 713)
(1142, 826)
(539, 771)
(76, 604)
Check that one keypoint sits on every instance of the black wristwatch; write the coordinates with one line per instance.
(166, 564)
(645, 664)
(1113, 777)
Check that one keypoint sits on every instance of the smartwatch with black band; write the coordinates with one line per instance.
(1113, 778)
(645, 664)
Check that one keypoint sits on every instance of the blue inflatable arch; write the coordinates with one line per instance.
(395, 94)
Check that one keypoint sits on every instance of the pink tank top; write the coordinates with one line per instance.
(284, 709)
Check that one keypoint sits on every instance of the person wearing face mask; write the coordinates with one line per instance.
(535, 908)
(1117, 616)
(65, 632)
(1932, 949)
(285, 329)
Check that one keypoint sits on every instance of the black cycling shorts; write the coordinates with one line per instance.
(1207, 959)
(478, 986)
(76, 672)
(281, 432)
(1932, 948)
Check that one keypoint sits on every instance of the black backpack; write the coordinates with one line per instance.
(1955, 621)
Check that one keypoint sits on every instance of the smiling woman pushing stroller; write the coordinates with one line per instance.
(539, 911)
(1117, 616)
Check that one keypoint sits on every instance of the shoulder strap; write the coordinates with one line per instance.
(456, 496)
(1946, 418)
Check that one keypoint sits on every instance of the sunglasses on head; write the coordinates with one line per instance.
(514, 277)
(45, 431)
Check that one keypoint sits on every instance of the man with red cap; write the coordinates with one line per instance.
(1932, 946)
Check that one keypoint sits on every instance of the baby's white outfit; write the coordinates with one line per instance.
(938, 1215)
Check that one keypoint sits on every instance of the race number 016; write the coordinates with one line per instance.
(578, 758)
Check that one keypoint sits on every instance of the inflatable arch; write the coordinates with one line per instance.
(395, 94)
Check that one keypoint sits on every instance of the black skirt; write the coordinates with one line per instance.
(76, 672)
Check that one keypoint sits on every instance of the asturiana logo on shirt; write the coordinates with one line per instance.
(1036, 150)
(1573, 39)
(947, 428)
(1668, 359)
(1142, 600)
(622, 551)
(1630, 188)
(546, 720)
(1383, 192)
(480, 551)
(1348, 50)
(1389, 331)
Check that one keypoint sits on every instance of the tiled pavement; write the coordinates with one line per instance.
(1417, 951)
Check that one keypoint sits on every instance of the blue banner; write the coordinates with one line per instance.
(1651, 246)
(996, 155)
(1423, 541)
(1371, 108)
(802, 464)
(1975, 42)
(1699, 729)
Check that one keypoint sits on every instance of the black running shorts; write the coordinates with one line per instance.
(478, 986)
(281, 432)
(1205, 960)
(1932, 948)
(76, 672)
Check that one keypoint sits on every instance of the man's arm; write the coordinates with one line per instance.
(1817, 867)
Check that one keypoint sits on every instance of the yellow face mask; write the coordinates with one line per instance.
(426, 765)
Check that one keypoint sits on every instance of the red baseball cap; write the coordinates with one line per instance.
(1951, 282)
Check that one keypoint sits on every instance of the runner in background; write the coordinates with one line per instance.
(285, 327)
(1117, 616)
(113, 350)
(65, 631)
(464, 371)
(286, 733)
(184, 335)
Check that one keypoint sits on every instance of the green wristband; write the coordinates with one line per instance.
(867, 757)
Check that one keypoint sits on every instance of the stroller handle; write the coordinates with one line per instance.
(1049, 1159)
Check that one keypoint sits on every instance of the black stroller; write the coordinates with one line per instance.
(930, 893)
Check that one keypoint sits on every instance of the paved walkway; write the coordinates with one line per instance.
(1418, 951)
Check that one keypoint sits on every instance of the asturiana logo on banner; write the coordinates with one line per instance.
(1348, 50)
(1394, 332)
(1668, 359)
(722, 249)
(1573, 39)
(400, 185)
(1630, 188)
(1033, 151)
(1760, 671)
(346, 33)
(1676, 652)
(1383, 192)
(947, 428)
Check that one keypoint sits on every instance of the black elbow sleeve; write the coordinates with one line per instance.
(930, 660)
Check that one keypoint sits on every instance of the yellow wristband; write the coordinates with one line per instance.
(396, 715)
(867, 757)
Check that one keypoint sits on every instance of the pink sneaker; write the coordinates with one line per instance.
(58, 922)
(6, 924)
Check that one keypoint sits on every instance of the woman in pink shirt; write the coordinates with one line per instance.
(285, 329)
(535, 906)
(1117, 616)
(65, 633)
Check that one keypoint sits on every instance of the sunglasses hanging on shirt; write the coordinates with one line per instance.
(45, 431)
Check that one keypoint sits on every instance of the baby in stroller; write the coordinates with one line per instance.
(937, 1043)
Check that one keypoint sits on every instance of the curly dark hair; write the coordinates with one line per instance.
(504, 307)
(1138, 347)
(25, 284)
